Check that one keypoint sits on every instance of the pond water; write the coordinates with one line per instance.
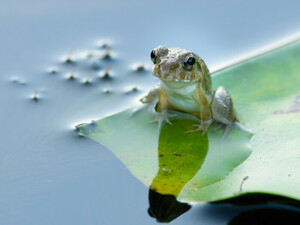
(49, 174)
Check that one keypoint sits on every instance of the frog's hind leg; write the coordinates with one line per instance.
(222, 107)
(222, 110)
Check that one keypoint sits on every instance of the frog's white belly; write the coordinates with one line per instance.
(183, 103)
(180, 94)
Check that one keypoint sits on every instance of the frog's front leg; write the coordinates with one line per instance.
(162, 106)
(205, 113)
(152, 96)
(151, 99)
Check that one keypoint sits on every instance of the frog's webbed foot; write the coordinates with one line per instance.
(226, 130)
(203, 126)
(228, 127)
(162, 117)
(241, 127)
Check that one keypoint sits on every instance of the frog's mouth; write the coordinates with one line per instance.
(174, 73)
(176, 80)
(174, 77)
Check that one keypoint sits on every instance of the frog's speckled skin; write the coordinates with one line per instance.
(187, 89)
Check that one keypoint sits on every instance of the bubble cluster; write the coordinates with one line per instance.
(71, 76)
(104, 43)
(69, 58)
(96, 67)
(106, 74)
(87, 80)
(17, 80)
(86, 66)
(35, 96)
(132, 90)
(140, 67)
(52, 70)
(106, 91)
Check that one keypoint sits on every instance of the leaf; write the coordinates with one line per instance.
(195, 168)
(168, 159)
(265, 92)
(180, 156)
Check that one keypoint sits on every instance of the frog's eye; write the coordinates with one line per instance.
(188, 63)
(153, 56)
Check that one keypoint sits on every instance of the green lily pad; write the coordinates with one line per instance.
(265, 92)
(167, 159)
(195, 168)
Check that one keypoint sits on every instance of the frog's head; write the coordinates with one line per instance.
(177, 64)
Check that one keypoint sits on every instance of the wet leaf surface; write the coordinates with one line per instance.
(197, 168)
(260, 87)
(169, 160)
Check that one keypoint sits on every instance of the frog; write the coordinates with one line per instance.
(186, 86)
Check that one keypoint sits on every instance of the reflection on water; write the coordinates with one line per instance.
(42, 163)
(267, 216)
(45, 171)
(164, 207)
(186, 163)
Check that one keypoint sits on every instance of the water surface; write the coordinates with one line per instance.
(48, 174)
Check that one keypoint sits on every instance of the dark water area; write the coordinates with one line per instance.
(49, 174)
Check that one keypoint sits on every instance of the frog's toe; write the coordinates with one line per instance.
(221, 126)
(203, 126)
(166, 119)
(162, 117)
(200, 127)
(226, 132)
(229, 127)
(241, 127)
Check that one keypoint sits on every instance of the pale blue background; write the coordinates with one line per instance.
(48, 175)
